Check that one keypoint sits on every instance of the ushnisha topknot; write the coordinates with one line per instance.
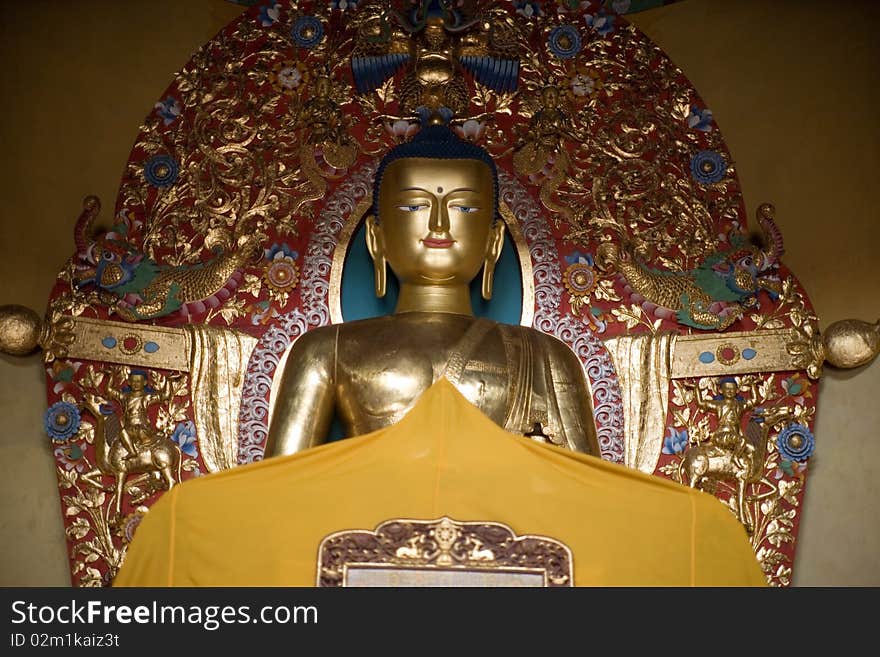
(437, 141)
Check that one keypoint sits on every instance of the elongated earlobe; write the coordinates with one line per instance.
(380, 267)
(376, 248)
(493, 252)
(488, 280)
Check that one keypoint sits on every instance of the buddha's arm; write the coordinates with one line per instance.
(304, 408)
(573, 398)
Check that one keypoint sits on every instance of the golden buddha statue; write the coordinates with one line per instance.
(435, 222)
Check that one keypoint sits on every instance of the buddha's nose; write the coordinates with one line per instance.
(439, 221)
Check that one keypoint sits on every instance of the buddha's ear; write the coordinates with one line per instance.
(494, 246)
(376, 248)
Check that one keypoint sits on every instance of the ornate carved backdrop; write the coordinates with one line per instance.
(260, 153)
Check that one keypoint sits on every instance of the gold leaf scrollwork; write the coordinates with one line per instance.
(807, 349)
(56, 336)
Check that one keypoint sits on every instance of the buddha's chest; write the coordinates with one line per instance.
(379, 380)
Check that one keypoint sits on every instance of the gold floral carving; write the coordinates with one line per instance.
(806, 348)
(804, 344)
(57, 336)
(126, 442)
(443, 544)
(104, 499)
(743, 466)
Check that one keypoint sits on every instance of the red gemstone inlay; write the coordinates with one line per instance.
(728, 354)
(130, 344)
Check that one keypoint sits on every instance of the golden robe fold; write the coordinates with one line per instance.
(218, 360)
(644, 367)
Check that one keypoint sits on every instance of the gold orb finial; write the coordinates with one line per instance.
(851, 343)
(19, 330)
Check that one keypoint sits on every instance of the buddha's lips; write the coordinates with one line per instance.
(437, 244)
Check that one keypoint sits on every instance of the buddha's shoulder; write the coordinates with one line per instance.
(390, 326)
(553, 346)
(316, 338)
(404, 322)
(331, 335)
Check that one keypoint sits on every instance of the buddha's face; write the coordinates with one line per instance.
(436, 220)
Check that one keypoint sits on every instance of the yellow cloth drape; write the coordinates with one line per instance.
(261, 524)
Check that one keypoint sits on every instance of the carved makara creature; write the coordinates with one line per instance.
(138, 288)
(717, 292)
(129, 445)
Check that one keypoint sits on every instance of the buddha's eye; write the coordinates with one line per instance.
(465, 208)
(411, 208)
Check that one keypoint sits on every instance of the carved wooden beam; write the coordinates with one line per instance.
(845, 344)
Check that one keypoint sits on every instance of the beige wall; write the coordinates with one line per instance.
(792, 85)
(78, 78)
